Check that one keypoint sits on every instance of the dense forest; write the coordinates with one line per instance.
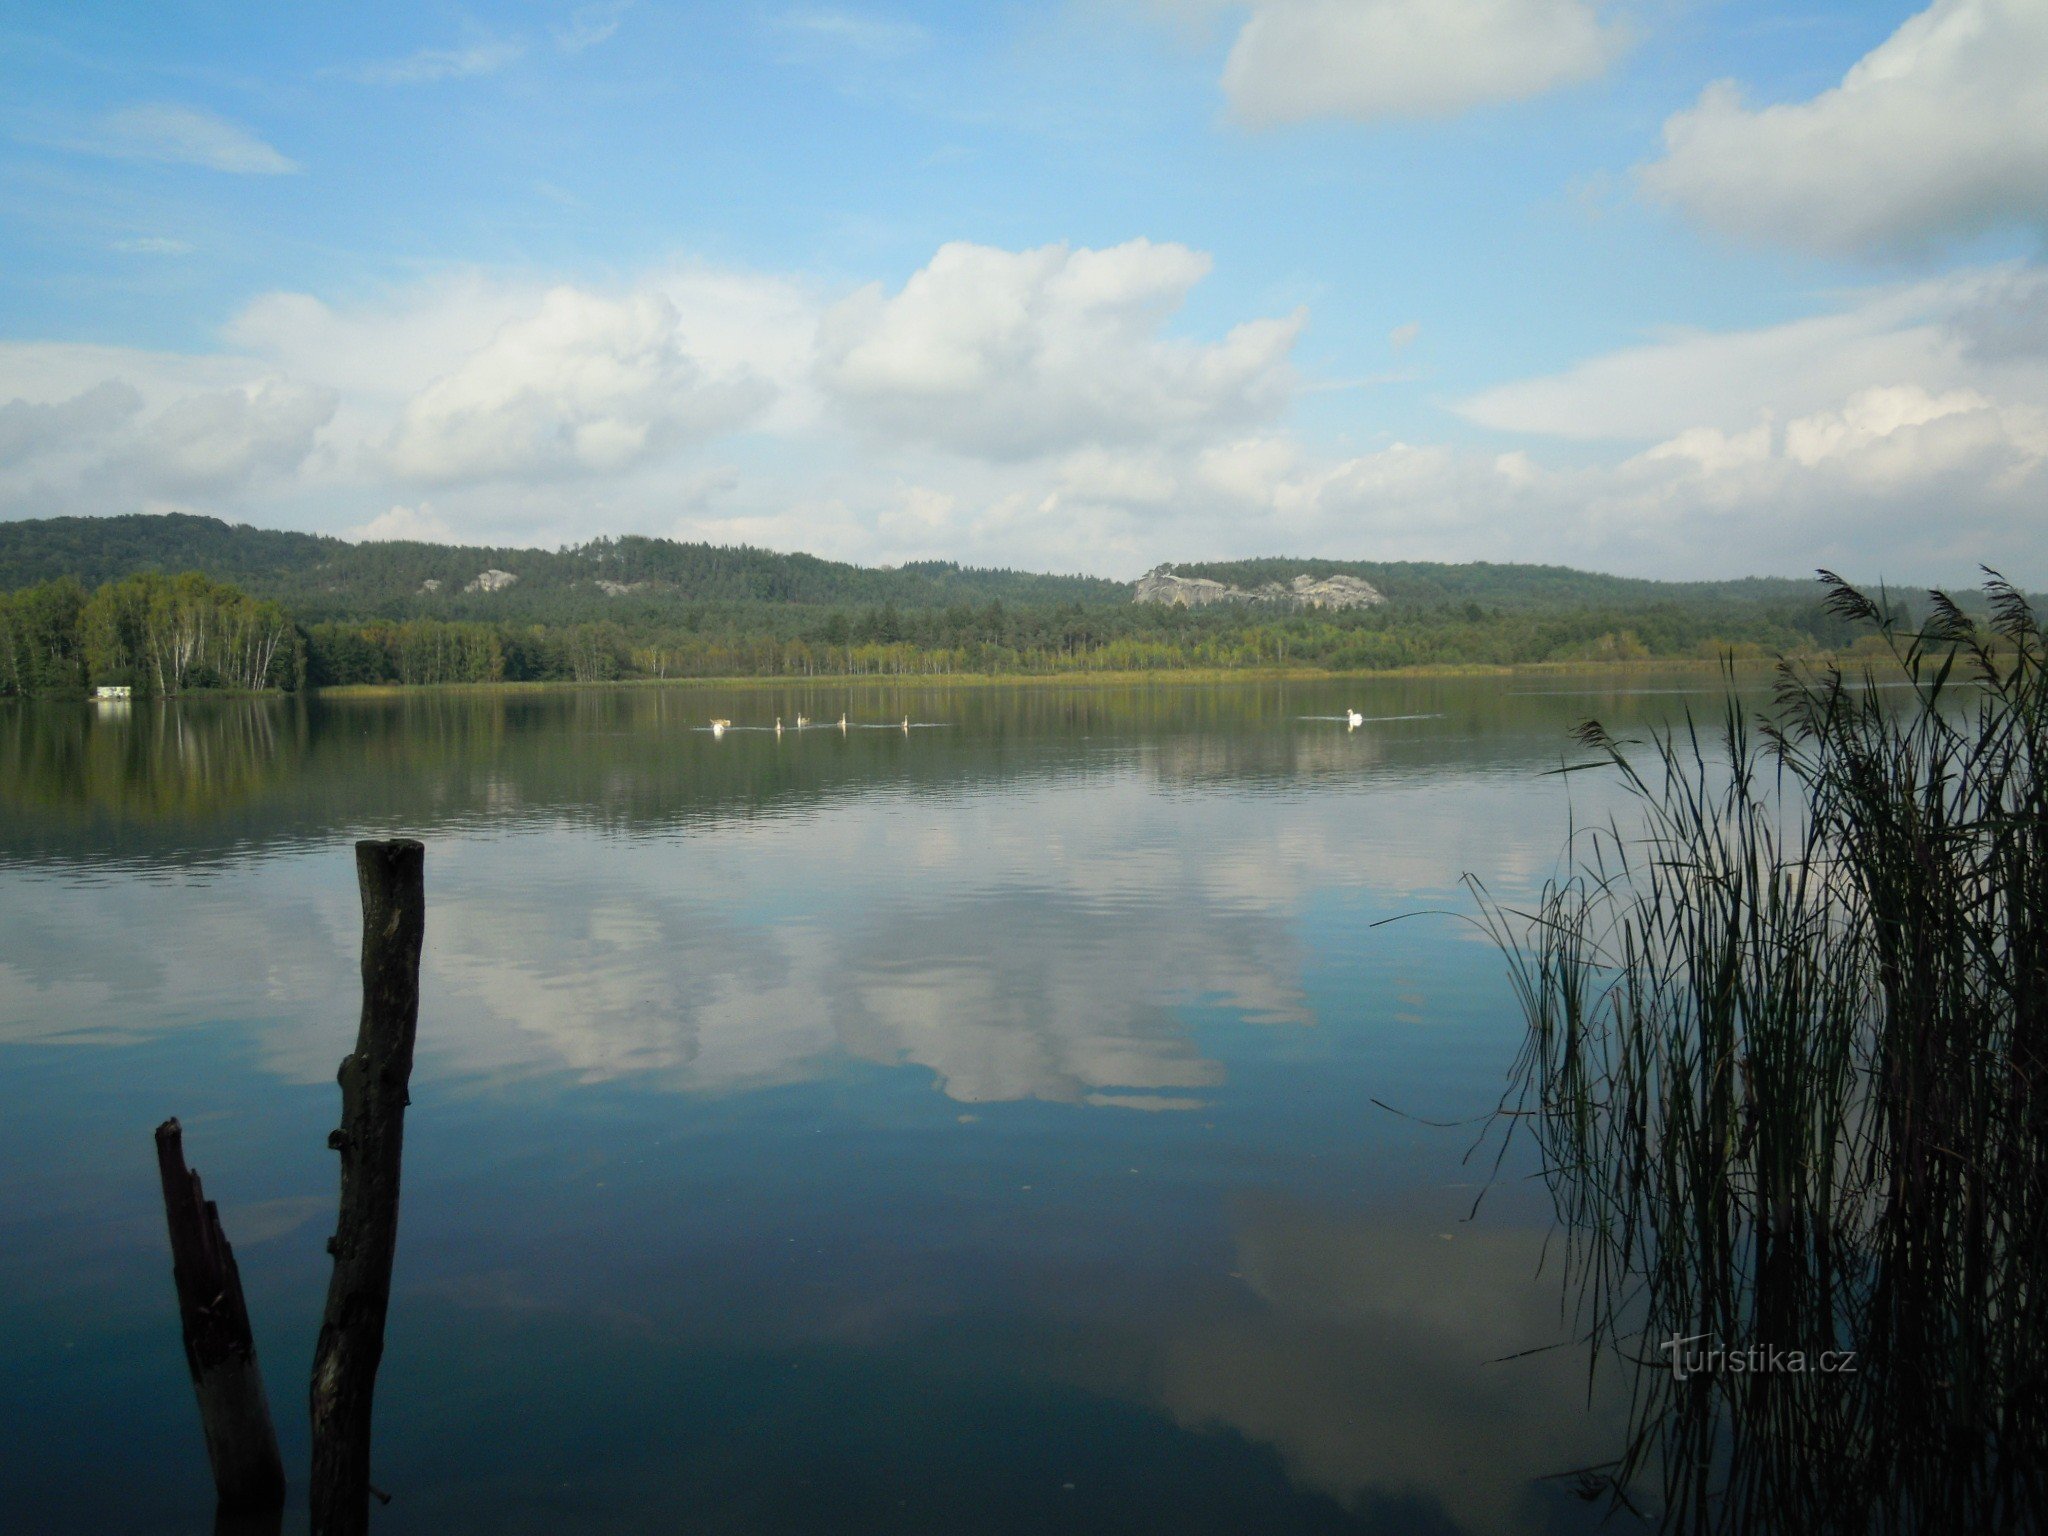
(168, 604)
(158, 634)
(636, 580)
(628, 579)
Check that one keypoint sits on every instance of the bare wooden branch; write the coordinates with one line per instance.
(220, 1351)
(371, 1141)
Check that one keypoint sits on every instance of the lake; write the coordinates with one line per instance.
(1008, 1123)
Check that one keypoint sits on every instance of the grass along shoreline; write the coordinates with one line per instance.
(1164, 677)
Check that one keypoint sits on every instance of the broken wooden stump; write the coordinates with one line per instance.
(220, 1351)
(371, 1141)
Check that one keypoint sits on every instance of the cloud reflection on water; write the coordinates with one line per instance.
(1033, 941)
(686, 1017)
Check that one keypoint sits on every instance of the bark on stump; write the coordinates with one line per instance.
(371, 1142)
(220, 1351)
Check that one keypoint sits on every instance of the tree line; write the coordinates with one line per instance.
(168, 635)
(157, 634)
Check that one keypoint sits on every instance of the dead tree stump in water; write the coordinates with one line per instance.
(371, 1141)
(220, 1350)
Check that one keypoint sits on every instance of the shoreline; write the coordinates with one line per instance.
(1179, 677)
(1189, 677)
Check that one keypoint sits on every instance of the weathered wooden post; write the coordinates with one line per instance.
(371, 1140)
(220, 1351)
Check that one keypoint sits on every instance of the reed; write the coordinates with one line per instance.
(1787, 1068)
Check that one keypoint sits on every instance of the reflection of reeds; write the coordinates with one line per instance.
(1787, 1065)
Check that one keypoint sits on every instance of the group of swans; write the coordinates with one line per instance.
(720, 725)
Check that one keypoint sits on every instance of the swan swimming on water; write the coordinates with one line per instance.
(1353, 719)
(906, 725)
(778, 725)
(718, 727)
(802, 721)
(842, 720)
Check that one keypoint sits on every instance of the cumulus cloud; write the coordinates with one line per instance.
(105, 444)
(585, 384)
(1009, 355)
(1891, 481)
(1965, 330)
(1034, 409)
(1906, 433)
(174, 134)
(416, 524)
(29, 430)
(527, 409)
(216, 440)
(1940, 131)
(1377, 59)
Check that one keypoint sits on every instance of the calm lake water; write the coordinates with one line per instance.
(968, 1128)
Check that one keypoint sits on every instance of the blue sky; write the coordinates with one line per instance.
(1662, 286)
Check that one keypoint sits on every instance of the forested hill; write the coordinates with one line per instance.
(641, 581)
(1538, 588)
(180, 603)
(629, 578)
(96, 550)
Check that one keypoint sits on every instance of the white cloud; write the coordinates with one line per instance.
(1369, 60)
(1922, 477)
(106, 448)
(216, 440)
(32, 429)
(1032, 409)
(174, 134)
(1940, 131)
(418, 524)
(1904, 430)
(584, 384)
(1008, 355)
(1966, 330)
(484, 57)
(534, 412)
(389, 348)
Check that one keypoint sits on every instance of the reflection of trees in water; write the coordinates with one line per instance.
(1788, 1066)
(184, 773)
(148, 761)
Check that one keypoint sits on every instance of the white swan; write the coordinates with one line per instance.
(1353, 719)
(842, 721)
(778, 725)
(802, 721)
(906, 725)
(718, 727)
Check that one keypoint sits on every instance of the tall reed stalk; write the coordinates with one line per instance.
(1787, 1068)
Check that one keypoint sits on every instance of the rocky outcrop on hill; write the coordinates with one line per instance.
(1163, 586)
(491, 581)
